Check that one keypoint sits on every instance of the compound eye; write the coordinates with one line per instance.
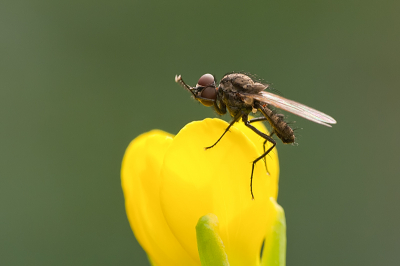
(209, 93)
(206, 80)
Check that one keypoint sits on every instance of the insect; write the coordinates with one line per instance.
(239, 94)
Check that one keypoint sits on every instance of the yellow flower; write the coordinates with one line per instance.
(170, 182)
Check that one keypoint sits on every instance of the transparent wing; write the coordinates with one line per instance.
(293, 107)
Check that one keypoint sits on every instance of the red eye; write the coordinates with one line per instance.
(209, 93)
(206, 80)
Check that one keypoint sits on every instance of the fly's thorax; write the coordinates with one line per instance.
(236, 99)
(234, 103)
(235, 82)
(238, 82)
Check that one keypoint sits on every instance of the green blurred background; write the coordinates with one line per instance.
(80, 79)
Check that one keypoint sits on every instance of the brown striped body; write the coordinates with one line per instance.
(281, 128)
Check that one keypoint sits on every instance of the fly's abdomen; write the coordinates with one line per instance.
(281, 128)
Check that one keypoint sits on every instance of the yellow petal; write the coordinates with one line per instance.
(141, 184)
(197, 181)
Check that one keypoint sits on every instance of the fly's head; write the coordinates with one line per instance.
(205, 90)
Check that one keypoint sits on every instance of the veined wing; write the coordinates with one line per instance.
(293, 107)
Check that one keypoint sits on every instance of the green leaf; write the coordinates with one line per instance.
(274, 253)
(210, 246)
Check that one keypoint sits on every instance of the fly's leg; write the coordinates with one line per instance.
(265, 158)
(226, 130)
(267, 138)
(259, 119)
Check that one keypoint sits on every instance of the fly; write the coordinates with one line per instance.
(239, 94)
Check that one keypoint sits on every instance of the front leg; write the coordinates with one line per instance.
(234, 120)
